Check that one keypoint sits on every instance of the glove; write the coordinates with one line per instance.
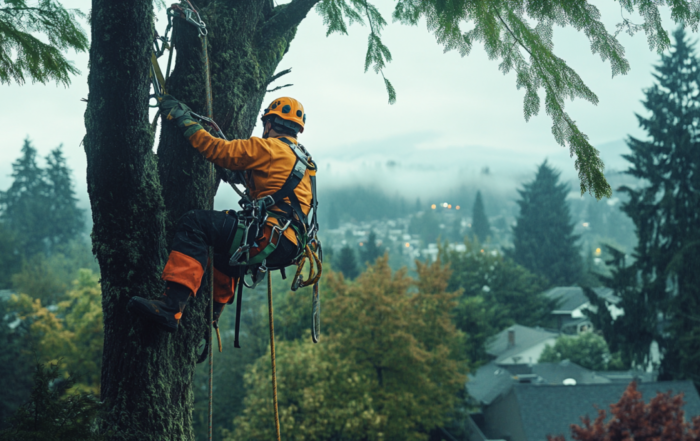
(174, 110)
(218, 309)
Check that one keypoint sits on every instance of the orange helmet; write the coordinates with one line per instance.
(287, 112)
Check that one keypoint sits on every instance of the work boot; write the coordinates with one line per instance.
(165, 313)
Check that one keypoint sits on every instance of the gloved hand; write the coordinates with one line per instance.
(174, 110)
(218, 309)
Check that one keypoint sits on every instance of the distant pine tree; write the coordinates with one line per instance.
(481, 229)
(543, 237)
(40, 207)
(25, 204)
(347, 262)
(370, 251)
(66, 219)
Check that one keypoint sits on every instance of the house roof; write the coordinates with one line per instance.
(488, 383)
(525, 338)
(572, 297)
(556, 373)
(550, 410)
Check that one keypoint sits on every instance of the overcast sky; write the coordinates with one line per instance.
(453, 116)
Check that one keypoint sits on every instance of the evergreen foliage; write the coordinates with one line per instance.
(543, 237)
(10, 257)
(65, 216)
(370, 251)
(24, 203)
(480, 223)
(347, 262)
(664, 281)
(52, 415)
(40, 205)
(24, 56)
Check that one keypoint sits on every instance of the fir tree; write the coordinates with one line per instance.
(664, 280)
(65, 216)
(370, 251)
(40, 205)
(25, 204)
(347, 262)
(543, 237)
(480, 223)
(27, 57)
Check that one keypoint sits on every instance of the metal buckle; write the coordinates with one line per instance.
(237, 255)
(267, 201)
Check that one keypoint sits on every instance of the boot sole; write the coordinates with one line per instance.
(140, 310)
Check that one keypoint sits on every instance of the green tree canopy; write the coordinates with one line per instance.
(40, 206)
(347, 262)
(663, 280)
(588, 350)
(391, 364)
(370, 251)
(543, 237)
(24, 56)
(480, 223)
(496, 293)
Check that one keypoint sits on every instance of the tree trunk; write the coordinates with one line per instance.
(137, 197)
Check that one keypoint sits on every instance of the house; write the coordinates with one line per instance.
(491, 381)
(572, 303)
(530, 412)
(520, 344)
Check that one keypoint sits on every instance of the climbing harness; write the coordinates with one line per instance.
(253, 218)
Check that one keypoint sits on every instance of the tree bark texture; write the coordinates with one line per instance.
(137, 196)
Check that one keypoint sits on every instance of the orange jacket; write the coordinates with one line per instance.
(268, 162)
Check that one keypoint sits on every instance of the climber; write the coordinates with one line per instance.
(280, 179)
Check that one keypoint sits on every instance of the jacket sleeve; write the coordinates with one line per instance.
(238, 154)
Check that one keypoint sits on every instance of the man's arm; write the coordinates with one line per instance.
(238, 154)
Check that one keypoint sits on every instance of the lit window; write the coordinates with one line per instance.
(362, 244)
(433, 206)
(408, 245)
(597, 251)
(457, 207)
(449, 205)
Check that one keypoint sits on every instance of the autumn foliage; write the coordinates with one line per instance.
(390, 364)
(662, 419)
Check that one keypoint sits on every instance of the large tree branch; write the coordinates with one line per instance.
(286, 17)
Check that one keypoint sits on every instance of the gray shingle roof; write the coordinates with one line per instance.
(488, 383)
(525, 338)
(572, 297)
(550, 410)
(556, 373)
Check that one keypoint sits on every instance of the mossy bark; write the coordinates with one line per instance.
(137, 196)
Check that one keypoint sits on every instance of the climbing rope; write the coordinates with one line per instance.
(272, 355)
